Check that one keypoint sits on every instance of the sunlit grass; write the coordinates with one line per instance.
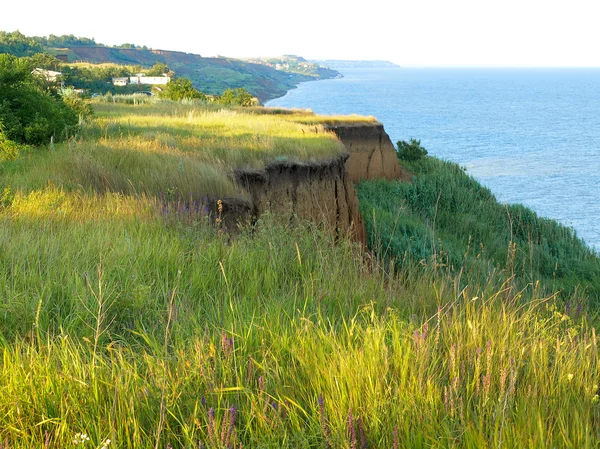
(171, 149)
(134, 329)
(124, 318)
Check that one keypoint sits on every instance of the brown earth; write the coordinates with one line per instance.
(372, 154)
(320, 192)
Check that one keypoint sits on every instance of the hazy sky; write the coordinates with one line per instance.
(409, 33)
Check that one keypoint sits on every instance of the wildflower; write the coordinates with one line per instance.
(323, 420)
(570, 377)
(80, 438)
(106, 443)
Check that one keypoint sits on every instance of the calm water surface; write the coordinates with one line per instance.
(531, 135)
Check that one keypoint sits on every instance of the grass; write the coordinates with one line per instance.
(446, 218)
(166, 149)
(122, 319)
(147, 331)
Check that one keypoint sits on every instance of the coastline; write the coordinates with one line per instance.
(504, 145)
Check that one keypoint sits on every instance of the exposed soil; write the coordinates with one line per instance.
(320, 192)
(372, 154)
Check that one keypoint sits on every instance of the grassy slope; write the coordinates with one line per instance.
(447, 218)
(170, 150)
(123, 321)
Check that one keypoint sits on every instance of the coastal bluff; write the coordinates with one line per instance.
(372, 154)
(322, 192)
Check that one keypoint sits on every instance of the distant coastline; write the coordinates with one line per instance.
(352, 64)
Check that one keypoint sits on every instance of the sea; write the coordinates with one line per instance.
(531, 135)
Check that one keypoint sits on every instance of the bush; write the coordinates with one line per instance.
(28, 114)
(181, 89)
(8, 149)
(237, 97)
(411, 150)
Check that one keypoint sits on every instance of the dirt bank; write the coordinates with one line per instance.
(372, 154)
(320, 192)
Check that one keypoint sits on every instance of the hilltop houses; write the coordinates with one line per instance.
(120, 81)
(140, 78)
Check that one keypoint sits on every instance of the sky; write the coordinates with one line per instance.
(420, 33)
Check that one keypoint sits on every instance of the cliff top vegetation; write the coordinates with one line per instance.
(125, 322)
(209, 75)
(163, 148)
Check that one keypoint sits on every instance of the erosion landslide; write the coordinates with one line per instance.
(321, 192)
(372, 154)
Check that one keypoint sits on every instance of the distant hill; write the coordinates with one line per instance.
(209, 75)
(297, 65)
(349, 64)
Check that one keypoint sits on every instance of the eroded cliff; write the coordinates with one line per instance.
(372, 154)
(321, 192)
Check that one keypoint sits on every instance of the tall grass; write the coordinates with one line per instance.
(124, 320)
(169, 149)
(447, 218)
(149, 331)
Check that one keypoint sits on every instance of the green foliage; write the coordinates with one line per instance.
(96, 78)
(128, 316)
(29, 114)
(43, 61)
(181, 89)
(237, 97)
(411, 150)
(9, 150)
(447, 218)
(76, 102)
(158, 69)
(16, 43)
(67, 41)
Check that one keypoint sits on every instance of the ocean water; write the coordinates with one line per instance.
(531, 135)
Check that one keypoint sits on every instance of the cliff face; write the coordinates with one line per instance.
(372, 154)
(320, 192)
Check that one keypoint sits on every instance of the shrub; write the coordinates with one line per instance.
(411, 150)
(181, 89)
(237, 97)
(29, 114)
(8, 149)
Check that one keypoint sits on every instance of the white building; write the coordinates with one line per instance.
(149, 80)
(48, 75)
(121, 81)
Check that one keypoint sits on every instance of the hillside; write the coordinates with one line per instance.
(209, 75)
(297, 65)
(130, 317)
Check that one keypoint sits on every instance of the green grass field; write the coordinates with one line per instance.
(124, 321)
(165, 149)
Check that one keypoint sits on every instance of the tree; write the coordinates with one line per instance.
(29, 114)
(411, 150)
(237, 97)
(158, 69)
(180, 89)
